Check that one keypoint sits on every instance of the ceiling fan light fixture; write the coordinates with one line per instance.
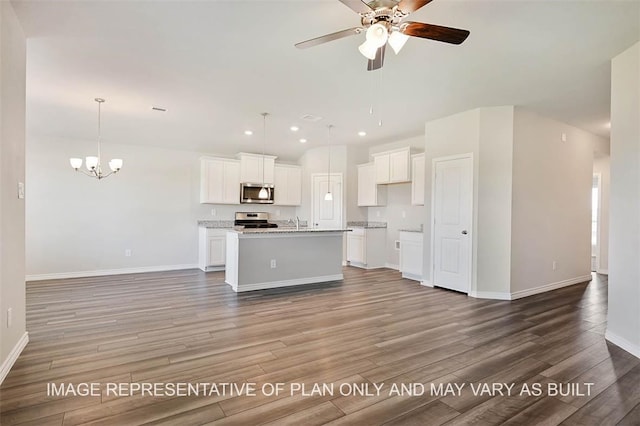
(368, 50)
(397, 41)
(377, 35)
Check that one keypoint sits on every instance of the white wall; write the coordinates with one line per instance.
(551, 217)
(601, 165)
(623, 325)
(398, 212)
(531, 197)
(76, 223)
(495, 192)
(12, 159)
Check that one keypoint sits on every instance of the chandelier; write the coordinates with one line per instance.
(94, 168)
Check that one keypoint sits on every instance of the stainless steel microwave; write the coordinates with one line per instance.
(250, 193)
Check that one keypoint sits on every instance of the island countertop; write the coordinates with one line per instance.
(260, 231)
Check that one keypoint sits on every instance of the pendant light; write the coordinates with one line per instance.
(93, 165)
(328, 196)
(264, 193)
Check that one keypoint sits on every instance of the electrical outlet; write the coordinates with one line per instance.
(404, 214)
(563, 137)
(127, 252)
(554, 265)
(9, 317)
(214, 212)
(21, 190)
(277, 212)
(397, 245)
(273, 263)
(378, 213)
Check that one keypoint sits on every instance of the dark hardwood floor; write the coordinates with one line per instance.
(372, 328)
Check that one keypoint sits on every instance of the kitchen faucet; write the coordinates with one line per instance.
(297, 223)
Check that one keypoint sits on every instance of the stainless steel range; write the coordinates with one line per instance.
(253, 220)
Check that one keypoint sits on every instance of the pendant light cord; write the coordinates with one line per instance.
(329, 149)
(264, 140)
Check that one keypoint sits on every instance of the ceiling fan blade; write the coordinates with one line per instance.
(329, 37)
(357, 6)
(435, 32)
(410, 6)
(377, 63)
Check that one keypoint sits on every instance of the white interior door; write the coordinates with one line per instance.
(326, 213)
(452, 213)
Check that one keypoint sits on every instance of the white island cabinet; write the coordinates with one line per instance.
(269, 258)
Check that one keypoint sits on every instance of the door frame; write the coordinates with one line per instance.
(314, 176)
(598, 176)
(432, 255)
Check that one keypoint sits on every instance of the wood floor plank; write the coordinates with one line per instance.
(371, 328)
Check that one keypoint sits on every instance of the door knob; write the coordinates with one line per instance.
(464, 232)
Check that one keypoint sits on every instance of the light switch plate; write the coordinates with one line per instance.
(21, 190)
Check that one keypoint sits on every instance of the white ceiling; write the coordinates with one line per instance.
(216, 65)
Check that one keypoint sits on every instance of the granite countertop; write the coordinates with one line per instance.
(228, 224)
(215, 224)
(366, 224)
(285, 230)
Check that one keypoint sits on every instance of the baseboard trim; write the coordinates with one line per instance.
(426, 283)
(490, 295)
(392, 266)
(13, 356)
(623, 343)
(602, 271)
(103, 272)
(286, 283)
(548, 287)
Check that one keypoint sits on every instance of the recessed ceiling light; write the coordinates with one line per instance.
(362, 133)
(294, 128)
(248, 132)
(303, 140)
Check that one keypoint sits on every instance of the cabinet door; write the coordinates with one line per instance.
(211, 180)
(355, 248)
(417, 180)
(281, 186)
(288, 185)
(399, 166)
(269, 170)
(251, 169)
(381, 168)
(231, 185)
(411, 257)
(217, 250)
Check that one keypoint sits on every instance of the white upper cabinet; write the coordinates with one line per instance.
(219, 181)
(369, 194)
(393, 166)
(251, 168)
(287, 185)
(417, 179)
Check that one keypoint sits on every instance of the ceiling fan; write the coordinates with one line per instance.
(382, 21)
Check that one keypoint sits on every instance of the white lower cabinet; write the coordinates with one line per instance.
(212, 249)
(366, 247)
(411, 249)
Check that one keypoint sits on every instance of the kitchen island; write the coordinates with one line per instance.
(270, 258)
